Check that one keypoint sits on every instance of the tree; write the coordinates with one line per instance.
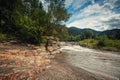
(57, 11)
(28, 18)
(9, 10)
(87, 34)
(62, 32)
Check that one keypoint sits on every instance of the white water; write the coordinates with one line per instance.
(97, 62)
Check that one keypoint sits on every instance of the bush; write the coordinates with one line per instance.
(89, 43)
(44, 39)
(3, 37)
(101, 43)
(107, 44)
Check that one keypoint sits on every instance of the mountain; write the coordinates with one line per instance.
(76, 31)
(113, 34)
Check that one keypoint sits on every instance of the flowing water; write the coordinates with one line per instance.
(95, 61)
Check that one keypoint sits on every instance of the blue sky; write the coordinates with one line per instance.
(95, 14)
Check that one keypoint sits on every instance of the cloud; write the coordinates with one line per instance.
(97, 15)
(113, 23)
(68, 3)
(45, 5)
(75, 5)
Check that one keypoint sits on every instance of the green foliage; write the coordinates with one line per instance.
(113, 45)
(3, 37)
(57, 11)
(87, 34)
(30, 23)
(71, 38)
(101, 43)
(81, 34)
(62, 33)
(102, 37)
(113, 34)
(92, 43)
(107, 40)
(44, 39)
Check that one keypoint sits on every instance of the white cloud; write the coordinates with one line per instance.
(45, 5)
(68, 3)
(94, 16)
(75, 3)
(93, 1)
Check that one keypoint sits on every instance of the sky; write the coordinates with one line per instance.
(99, 15)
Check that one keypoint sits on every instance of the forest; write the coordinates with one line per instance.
(27, 21)
(105, 40)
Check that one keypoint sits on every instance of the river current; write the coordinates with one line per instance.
(95, 61)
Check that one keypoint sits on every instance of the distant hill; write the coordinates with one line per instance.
(76, 31)
(114, 33)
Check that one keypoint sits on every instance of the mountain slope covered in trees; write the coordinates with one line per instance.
(106, 40)
(76, 31)
(112, 34)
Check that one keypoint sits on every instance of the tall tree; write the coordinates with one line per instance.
(88, 34)
(57, 11)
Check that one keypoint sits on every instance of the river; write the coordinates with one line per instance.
(98, 62)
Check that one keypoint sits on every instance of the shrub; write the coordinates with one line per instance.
(3, 37)
(101, 43)
(89, 43)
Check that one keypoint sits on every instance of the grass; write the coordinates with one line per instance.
(107, 44)
(91, 43)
